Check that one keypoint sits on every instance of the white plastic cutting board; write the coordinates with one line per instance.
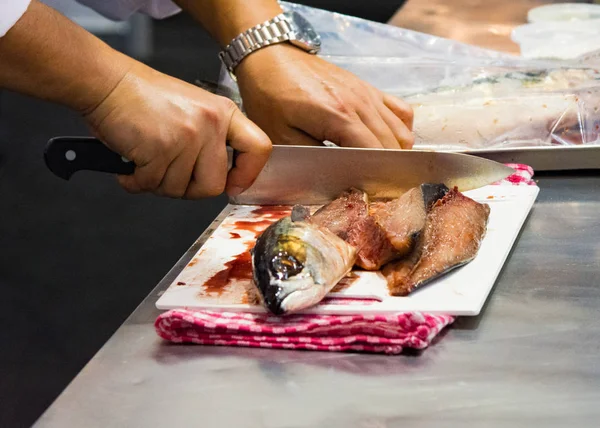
(211, 281)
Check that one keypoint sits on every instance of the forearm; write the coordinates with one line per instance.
(47, 56)
(225, 19)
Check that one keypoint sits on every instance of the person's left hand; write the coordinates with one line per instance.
(301, 99)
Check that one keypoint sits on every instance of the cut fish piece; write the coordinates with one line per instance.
(403, 219)
(452, 235)
(348, 217)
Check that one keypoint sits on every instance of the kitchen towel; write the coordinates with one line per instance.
(389, 334)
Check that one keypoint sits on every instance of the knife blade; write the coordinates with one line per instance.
(309, 175)
(312, 175)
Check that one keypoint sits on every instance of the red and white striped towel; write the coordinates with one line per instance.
(364, 333)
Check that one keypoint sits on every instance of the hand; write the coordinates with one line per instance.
(176, 135)
(298, 98)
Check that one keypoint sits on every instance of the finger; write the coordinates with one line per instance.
(402, 134)
(128, 183)
(210, 170)
(401, 109)
(373, 120)
(149, 176)
(146, 177)
(354, 134)
(179, 173)
(285, 135)
(295, 137)
(254, 149)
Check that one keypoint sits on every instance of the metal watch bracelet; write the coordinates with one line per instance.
(275, 30)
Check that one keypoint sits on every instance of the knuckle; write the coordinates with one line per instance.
(342, 109)
(189, 130)
(210, 116)
(162, 146)
(364, 95)
(228, 104)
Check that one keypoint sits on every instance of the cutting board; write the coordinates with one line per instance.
(218, 277)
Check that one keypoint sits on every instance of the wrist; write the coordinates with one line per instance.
(286, 27)
(270, 57)
(89, 92)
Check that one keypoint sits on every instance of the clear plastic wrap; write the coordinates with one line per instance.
(464, 97)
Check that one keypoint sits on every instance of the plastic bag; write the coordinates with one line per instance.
(464, 97)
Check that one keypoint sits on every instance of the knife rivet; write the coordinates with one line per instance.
(70, 155)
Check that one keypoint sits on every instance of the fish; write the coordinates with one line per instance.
(518, 109)
(454, 229)
(427, 232)
(296, 263)
(349, 218)
(403, 219)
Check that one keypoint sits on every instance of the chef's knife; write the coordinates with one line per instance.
(309, 175)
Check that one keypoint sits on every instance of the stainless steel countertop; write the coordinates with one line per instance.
(531, 357)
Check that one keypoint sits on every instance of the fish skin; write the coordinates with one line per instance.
(348, 217)
(295, 264)
(451, 238)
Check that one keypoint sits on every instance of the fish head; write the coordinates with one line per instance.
(289, 266)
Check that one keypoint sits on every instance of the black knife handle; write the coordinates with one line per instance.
(64, 156)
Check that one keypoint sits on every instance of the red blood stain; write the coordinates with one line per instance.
(255, 227)
(235, 235)
(272, 211)
(181, 283)
(240, 268)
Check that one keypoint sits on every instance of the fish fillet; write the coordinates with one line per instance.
(402, 219)
(452, 235)
(348, 217)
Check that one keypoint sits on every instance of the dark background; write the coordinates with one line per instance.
(77, 257)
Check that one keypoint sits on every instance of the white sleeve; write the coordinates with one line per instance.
(10, 12)
(122, 9)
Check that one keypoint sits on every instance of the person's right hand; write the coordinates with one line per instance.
(176, 135)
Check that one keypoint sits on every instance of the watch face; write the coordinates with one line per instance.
(305, 33)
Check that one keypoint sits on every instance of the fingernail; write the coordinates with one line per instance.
(235, 190)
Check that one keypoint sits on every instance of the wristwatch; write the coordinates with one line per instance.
(285, 27)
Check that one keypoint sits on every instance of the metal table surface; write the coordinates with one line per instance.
(532, 356)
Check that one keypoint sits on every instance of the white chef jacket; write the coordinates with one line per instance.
(12, 10)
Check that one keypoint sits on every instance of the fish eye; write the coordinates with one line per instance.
(285, 265)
